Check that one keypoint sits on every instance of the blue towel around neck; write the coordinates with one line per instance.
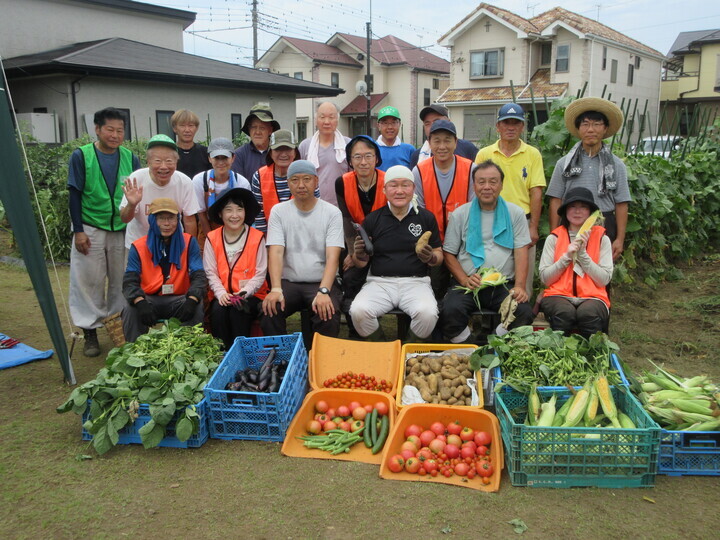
(157, 246)
(502, 231)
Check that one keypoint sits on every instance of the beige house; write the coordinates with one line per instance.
(66, 59)
(691, 82)
(498, 56)
(401, 75)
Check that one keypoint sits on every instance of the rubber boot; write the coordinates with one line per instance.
(377, 335)
(91, 348)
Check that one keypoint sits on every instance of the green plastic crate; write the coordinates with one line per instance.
(564, 457)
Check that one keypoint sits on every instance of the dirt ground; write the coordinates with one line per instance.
(247, 489)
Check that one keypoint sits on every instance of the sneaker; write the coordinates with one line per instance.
(91, 347)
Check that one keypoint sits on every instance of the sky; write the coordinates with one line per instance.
(222, 29)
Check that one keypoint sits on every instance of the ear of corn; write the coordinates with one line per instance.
(548, 413)
(590, 222)
(625, 421)
(692, 405)
(712, 425)
(663, 381)
(577, 409)
(602, 387)
(533, 407)
(592, 407)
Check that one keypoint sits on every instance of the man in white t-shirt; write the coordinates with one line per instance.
(159, 180)
(304, 239)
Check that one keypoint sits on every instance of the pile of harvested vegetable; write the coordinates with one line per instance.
(440, 379)
(546, 358)
(166, 368)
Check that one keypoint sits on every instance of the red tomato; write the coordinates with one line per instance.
(454, 428)
(413, 429)
(461, 469)
(467, 452)
(430, 465)
(357, 425)
(471, 473)
(407, 454)
(407, 445)
(359, 413)
(438, 428)
(484, 468)
(482, 451)
(452, 451)
(422, 471)
(412, 465)
(470, 444)
(433, 473)
(448, 473)
(415, 440)
(314, 427)
(455, 439)
(482, 438)
(368, 408)
(443, 438)
(382, 408)
(345, 425)
(396, 463)
(436, 446)
(424, 453)
(330, 425)
(331, 412)
(353, 405)
(343, 411)
(467, 434)
(427, 436)
(322, 406)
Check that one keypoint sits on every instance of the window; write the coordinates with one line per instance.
(436, 84)
(487, 63)
(637, 62)
(546, 53)
(335, 80)
(128, 126)
(236, 126)
(613, 71)
(631, 74)
(302, 130)
(284, 74)
(298, 75)
(604, 60)
(426, 97)
(162, 119)
(562, 62)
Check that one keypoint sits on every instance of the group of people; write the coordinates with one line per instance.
(331, 224)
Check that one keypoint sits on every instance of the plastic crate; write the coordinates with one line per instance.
(564, 457)
(129, 434)
(335, 397)
(257, 415)
(497, 377)
(425, 414)
(331, 356)
(685, 453)
(413, 348)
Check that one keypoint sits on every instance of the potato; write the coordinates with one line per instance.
(436, 400)
(445, 393)
(433, 364)
(422, 241)
(452, 401)
(426, 396)
(466, 373)
(425, 369)
(432, 383)
(412, 361)
(459, 391)
(467, 392)
(415, 368)
(458, 381)
(449, 372)
(446, 383)
(468, 401)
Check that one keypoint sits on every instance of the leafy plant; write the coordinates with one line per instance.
(165, 368)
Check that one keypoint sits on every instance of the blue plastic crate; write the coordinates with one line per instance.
(497, 377)
(685, 453)
(563, 457)
(129, 434)
(257, 415)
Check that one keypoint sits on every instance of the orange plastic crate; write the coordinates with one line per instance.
(331, 356)
(425, 414)
(412, 348)
(335, 397)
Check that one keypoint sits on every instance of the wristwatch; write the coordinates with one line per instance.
(324, 290)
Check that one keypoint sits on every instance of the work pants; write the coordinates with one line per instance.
(229, 322)
(166, 307)
(588, 317)
(300, 296)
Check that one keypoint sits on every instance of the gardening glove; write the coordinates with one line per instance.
(187, 311)
(359, 249)
(146, 312)
(239, 302)
(425, 254)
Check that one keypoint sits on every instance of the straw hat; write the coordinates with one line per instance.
(611, 111)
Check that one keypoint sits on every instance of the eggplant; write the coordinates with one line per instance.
(269, 361)
(369, 249)
(234, 386)
(275, 380)
(252, 375)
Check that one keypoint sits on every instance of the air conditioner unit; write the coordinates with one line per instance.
(41, 126)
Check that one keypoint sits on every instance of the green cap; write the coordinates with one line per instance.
(161, 140)
(388, 111)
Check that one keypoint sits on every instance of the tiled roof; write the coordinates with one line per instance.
(359, 104)
(540, 84)
(322, 52)
(391, 50)
(685, 39)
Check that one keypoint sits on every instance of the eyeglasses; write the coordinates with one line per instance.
(363, 157)
(167, 162)
(585, 124)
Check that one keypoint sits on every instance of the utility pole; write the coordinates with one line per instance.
(255, 28)
(368, 113)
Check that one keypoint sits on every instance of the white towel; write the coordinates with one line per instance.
(424, 152)
(339, 145)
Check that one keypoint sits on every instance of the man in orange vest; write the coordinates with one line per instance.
(164, 276)
(442, 184)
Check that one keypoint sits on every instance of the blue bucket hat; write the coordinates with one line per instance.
(367, 140)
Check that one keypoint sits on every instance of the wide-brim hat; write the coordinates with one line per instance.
(611, 111)
(367, 140)
(251, 206)
(578, 194)
(163, 204)
(262, 113)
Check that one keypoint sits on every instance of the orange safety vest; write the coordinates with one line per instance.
(569, 283)
(266, 176)
(458, 191)
(235, 276)
(352, 200)
(151, 275)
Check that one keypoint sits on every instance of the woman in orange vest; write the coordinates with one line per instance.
(359, 192)
(164, 276)
(576, 269)
(235, 262)
(269, 183)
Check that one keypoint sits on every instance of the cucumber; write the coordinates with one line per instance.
(367, 438)
(371, 426)
(382, 437)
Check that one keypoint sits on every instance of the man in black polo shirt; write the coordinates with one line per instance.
(398, 276)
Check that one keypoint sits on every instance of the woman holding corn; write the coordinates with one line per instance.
(576, 266)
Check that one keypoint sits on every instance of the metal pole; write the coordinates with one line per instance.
(254, 27)
(368, 112)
